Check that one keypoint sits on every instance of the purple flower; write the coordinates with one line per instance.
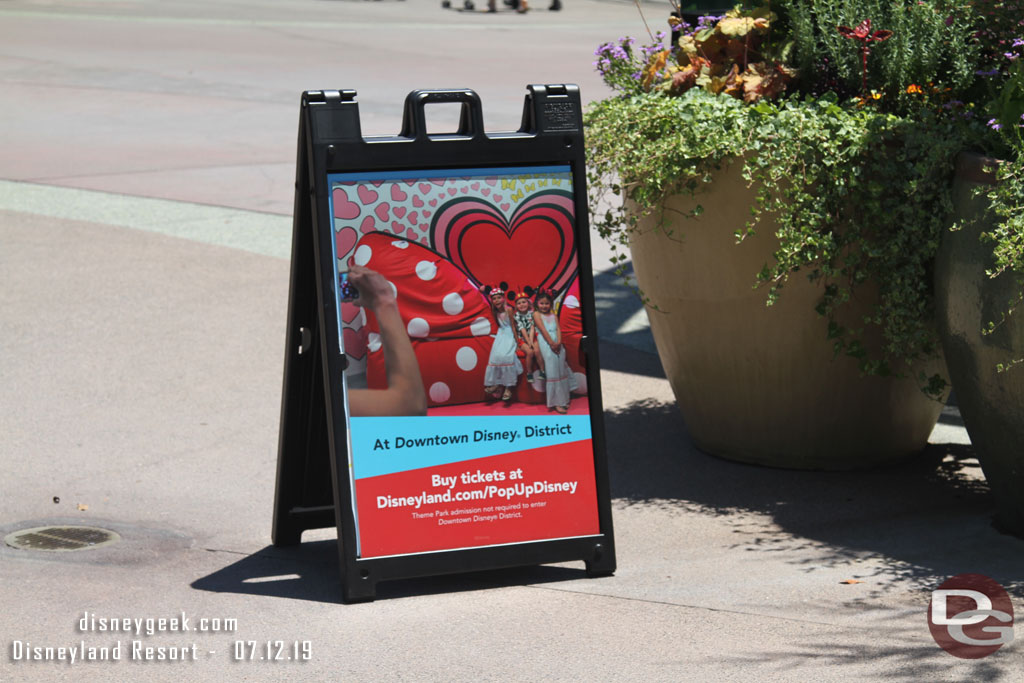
(986, 74)
(707, 21)
(994, 125)
(949, 20)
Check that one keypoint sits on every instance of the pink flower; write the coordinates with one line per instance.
(863, 34)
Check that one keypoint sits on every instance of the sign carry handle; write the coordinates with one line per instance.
(471, 121)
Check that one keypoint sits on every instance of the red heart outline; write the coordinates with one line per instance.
(536, 246)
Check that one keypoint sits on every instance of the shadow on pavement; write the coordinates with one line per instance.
(621, 318)
(309, 571)
(924, 521)
(906, 653)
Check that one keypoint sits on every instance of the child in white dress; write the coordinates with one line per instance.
(560, 381)
(503, 366)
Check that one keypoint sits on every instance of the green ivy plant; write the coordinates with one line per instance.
(824, 171)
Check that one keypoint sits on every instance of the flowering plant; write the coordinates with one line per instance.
(847, 117)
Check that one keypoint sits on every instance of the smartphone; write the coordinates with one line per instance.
(346, 289)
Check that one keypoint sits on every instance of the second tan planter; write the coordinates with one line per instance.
(759, 384)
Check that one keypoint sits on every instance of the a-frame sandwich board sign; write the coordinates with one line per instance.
(483, 240)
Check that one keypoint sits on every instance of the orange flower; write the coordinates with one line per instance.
(655, 66)
(914, 89)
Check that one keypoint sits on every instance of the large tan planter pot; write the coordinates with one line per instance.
(991, 402)
(758, 384)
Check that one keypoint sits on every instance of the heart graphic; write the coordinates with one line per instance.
(492, 181)
(464, 190)
(498, 197)
(475, 186)
(354, 344)
(399, 211)
(377, 183)
(433, 202)
(382, 211)
(437, 181)
(452, 191)
(343, 208)
(366, 195)
(426, 213)
(368, 225)
(536, 246)
(349, 312)
(505, 207)
(397, 194)
(414, 217)
(486, 191)
(417, 202)
(345, 240)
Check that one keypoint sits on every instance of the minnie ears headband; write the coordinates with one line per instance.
(512, 295)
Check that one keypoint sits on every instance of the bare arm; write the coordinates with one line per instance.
(557, 346)
(556, 343)
(538, 324)
(404, 395)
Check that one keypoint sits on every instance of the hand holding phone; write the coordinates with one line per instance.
(373, 289)
(347, 290)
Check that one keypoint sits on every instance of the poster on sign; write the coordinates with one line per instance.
(484, 269)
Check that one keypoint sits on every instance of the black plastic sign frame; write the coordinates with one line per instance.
(484, 239)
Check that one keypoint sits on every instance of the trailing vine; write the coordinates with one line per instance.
(824, 172)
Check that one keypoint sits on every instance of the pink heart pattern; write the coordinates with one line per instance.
(345, 239)
(366, 195)
(343, 208)
(370, 206)
(419, 210)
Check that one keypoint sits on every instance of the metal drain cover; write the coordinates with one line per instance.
(61, 538)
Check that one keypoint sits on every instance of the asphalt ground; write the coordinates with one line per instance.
(146, 184)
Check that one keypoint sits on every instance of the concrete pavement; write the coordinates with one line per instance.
(145, 194)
